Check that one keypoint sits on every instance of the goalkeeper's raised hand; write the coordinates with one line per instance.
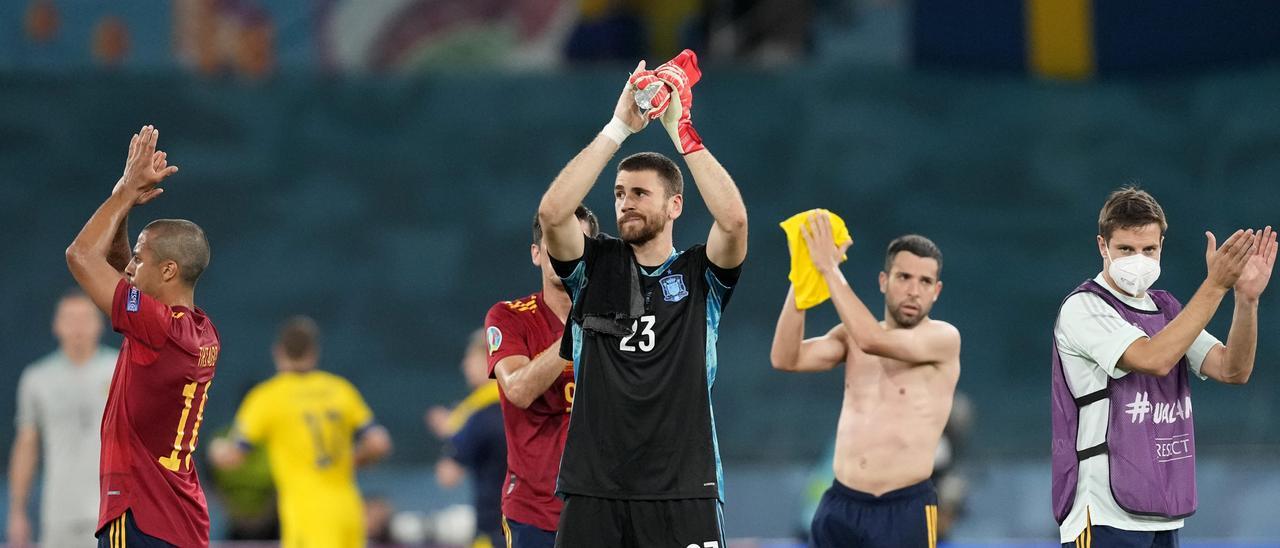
(627, 117)
(679, 75)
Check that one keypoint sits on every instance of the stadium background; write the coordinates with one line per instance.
(376, 165)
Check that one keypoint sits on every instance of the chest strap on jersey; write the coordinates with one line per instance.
(1100, 449)
(1093, 397)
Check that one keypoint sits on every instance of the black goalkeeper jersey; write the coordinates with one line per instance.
(642, 426)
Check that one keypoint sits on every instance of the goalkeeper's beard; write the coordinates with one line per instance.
(642, 233)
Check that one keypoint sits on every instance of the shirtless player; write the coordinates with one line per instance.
(899, 381)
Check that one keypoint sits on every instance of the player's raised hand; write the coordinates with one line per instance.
(145, 168)
(626, 109)
(1227, 263)
(680, 74)
(820, 239)
(1257, 268)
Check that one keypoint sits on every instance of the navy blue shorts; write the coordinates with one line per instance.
(903, 518)
(1110, 537)
(122, 532)
(521, 535)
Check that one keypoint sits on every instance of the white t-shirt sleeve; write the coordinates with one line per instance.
(28, 408)
(1091, 329)
(1200, 350)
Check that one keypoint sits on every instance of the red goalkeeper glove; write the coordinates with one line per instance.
(667, 93)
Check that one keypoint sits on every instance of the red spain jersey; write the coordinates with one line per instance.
(535, 436)
(153, 415)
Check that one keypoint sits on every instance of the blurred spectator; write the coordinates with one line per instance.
(255, 51)
(769, 32)
(607, 30)
(60, 402)
(412, 35)
(110, 41)
(217, 37)
(42, 21)
(475, 442)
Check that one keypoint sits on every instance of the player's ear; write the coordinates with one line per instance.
(535, 255)
(169, 271)
(1102, 247)
(675, 206)
(884, 279)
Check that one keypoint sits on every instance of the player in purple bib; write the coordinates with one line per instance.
(1123, 425)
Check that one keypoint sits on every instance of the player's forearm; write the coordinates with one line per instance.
(22, 469)
(120, 252)
(1242, 343)
(527, 383)
(787, 335)
(98, 238)
(859, 322)
(1159, 354)
(718, 190)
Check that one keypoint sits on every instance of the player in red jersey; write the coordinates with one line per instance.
(150, 495)
(536, 394)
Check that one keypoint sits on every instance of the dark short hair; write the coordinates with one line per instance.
(914, 244)
(182, 242)
(582, 213)
(667, 170)
(299, 337)
(1130, 207)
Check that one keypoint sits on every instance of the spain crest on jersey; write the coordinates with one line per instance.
(673, 289)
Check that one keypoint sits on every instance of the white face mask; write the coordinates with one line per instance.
(1135, 273)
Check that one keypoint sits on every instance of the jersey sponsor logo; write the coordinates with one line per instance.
(495, 338)
(673, 289)
(132, 304)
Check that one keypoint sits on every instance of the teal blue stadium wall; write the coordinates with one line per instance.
(396, 212)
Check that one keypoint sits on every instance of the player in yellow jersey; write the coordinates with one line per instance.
(316, 429)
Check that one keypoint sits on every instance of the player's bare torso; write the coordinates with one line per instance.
(891, 420)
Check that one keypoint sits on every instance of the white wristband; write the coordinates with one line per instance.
(617, 130)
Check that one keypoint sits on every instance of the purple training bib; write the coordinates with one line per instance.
(1150, 439)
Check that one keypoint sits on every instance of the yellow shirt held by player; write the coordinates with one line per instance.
(811, 290)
